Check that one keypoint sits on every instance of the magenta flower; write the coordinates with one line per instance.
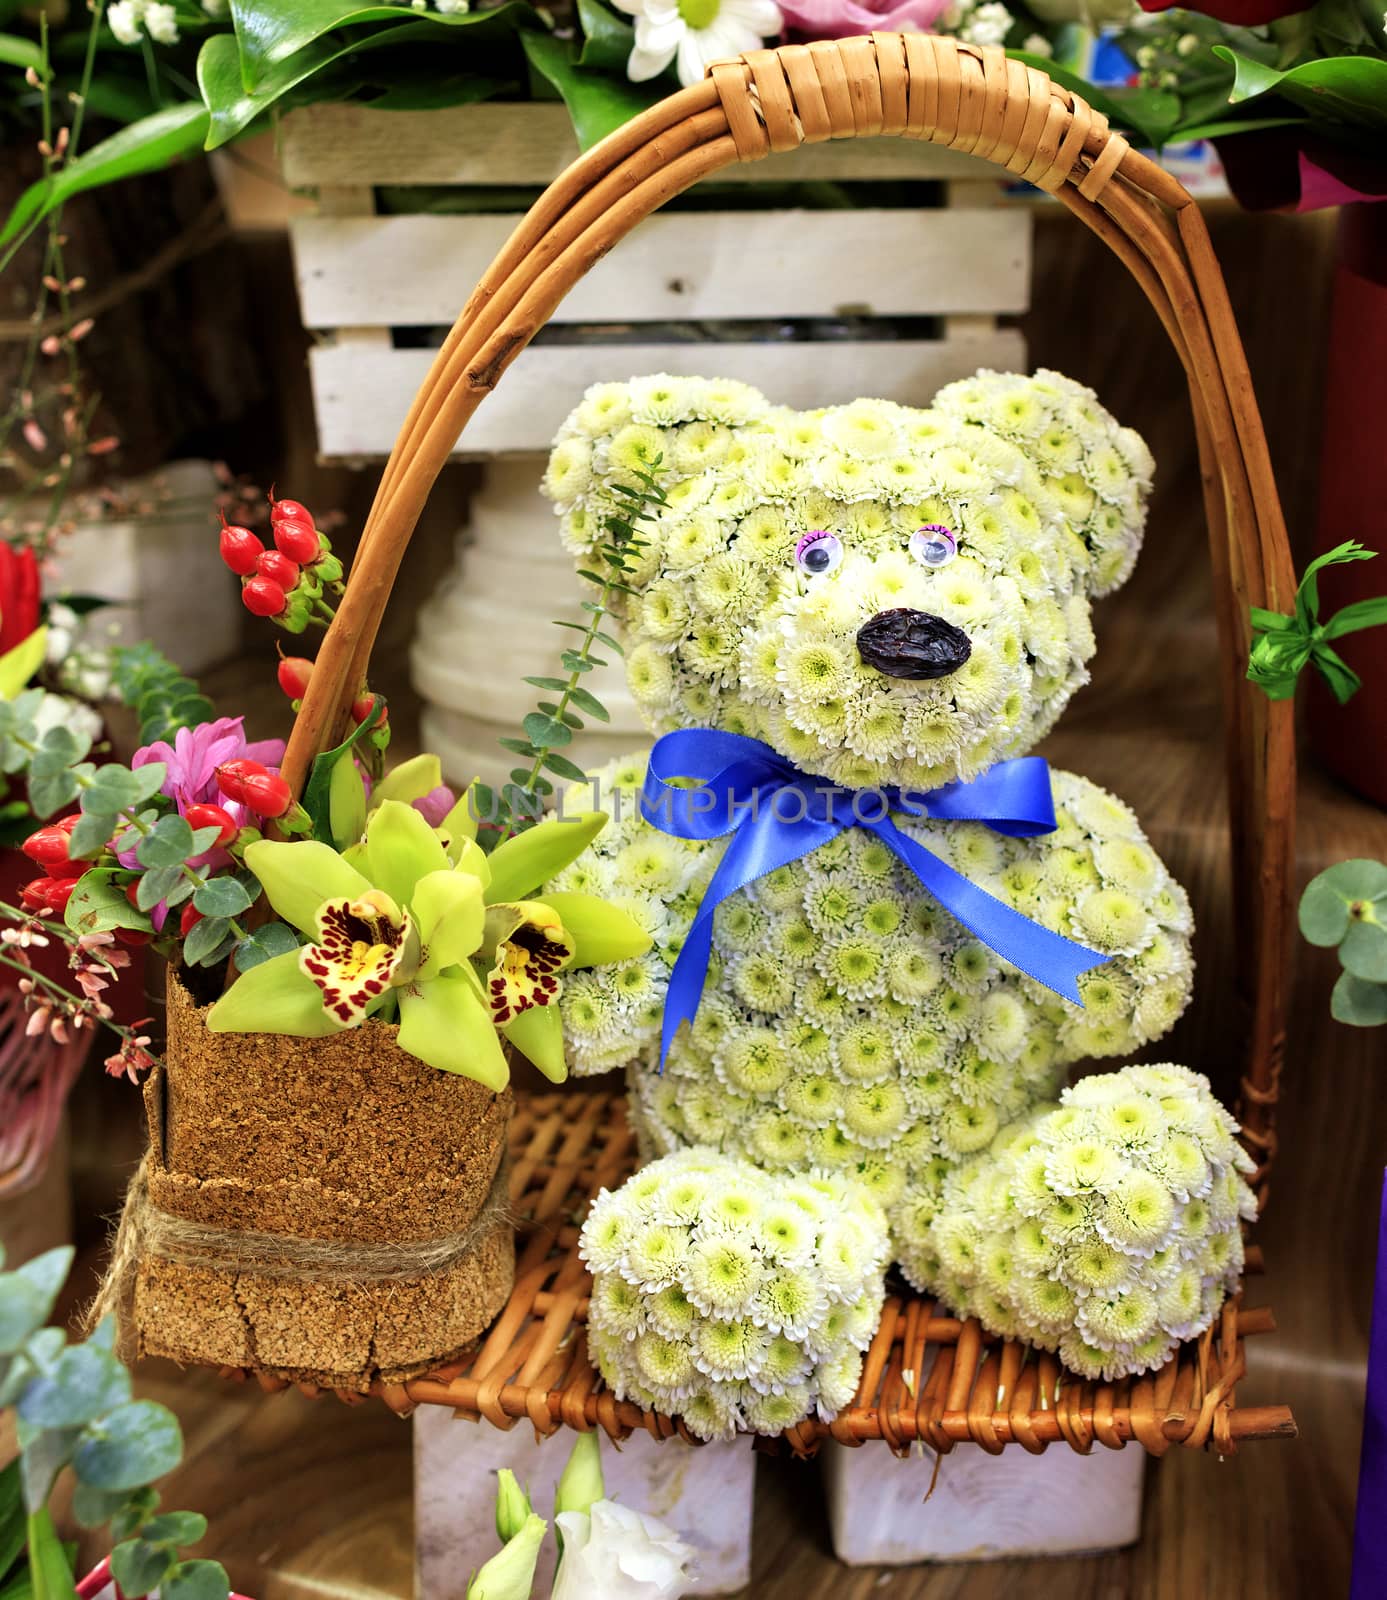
(841, 19)
(192, 761)
(196, 753)
(435, 805)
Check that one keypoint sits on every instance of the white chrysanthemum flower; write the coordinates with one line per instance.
(772, 1281)
(1091, 1210)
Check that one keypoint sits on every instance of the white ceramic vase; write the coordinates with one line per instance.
(490, 627)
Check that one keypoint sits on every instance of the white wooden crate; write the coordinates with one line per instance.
(364, 277)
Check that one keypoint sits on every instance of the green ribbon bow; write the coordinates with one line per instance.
(1282, 646)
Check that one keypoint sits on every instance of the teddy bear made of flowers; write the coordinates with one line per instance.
(898, 600)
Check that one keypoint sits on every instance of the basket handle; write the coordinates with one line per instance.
(975, 100)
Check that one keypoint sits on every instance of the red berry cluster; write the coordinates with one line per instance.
(287, 582)
(295, 673)
(258, 789)
(49, 895)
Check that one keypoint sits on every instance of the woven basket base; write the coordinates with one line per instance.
(335, 1333)
(928, 1376)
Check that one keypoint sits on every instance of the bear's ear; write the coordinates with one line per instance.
(678, 430)
(1094, 475)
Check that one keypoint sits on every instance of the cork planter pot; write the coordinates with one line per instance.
(327, 1211)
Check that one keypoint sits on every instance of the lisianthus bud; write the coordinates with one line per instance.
(278, 568)
(266, 794)
(294, 674)
(240, 549)
(232, 775)
(512, 1506)
(204, 815)
(580, 1483)
(48, 896)
(510, 1574)
(297, 540)
(263, 597)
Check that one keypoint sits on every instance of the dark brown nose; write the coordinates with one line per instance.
(912, 644)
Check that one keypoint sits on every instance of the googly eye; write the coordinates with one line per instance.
(933, 545)
(818, 552)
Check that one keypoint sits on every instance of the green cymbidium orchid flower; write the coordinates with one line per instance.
(412, 916)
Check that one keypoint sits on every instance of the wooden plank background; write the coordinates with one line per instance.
(496, 142)
(686, 266)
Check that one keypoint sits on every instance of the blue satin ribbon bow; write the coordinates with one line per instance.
(775, 814)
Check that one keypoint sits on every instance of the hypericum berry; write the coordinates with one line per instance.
(49, 848)
(49, 896)
(206, 815)
(290, 511)
(278, 569)
(297, 540)
(240, 549)
(266, 794)
(232, 775)
(132, 892)
(364, 704)
(293, 674)
(188, 919)
(263, 597)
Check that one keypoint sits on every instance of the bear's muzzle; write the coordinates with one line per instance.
(912, 644)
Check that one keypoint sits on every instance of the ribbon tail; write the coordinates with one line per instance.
(1047, 957)
(761, 843)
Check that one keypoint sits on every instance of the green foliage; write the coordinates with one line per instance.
(161, 697)
(1283, 646)
(73, 1408)
(1346, 905)
(553, 724)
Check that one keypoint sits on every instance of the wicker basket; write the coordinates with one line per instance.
(928, 1376)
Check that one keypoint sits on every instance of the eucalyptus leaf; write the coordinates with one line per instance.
(204, 940)
(175, 1527)
(274, 939)
(222, 897)
(1323, 912)
(48, 795)
(169, 844)
(130, 1447)
(93, 829)
(1364, 951)
(44, 1457)
(546, 732)
(85, 1384)
(589, 702)
(92, 1507)
(196, 1580)
(139, 1567)
(1361, 1005)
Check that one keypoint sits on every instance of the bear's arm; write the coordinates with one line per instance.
(612, 1014)
(1104, 886)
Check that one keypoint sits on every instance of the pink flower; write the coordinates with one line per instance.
(196, 753)
(841, 19)
(435, 805)
(192, 761)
